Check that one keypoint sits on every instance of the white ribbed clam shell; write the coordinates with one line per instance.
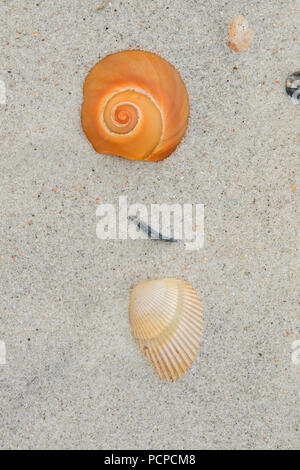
(239, 34)
(166, 321)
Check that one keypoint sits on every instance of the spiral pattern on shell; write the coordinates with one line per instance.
(135, 106)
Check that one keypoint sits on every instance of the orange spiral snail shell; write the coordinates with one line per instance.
(135, 105)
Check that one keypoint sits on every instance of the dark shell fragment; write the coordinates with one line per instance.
(292, 86)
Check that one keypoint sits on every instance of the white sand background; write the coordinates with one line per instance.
(74, 377)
